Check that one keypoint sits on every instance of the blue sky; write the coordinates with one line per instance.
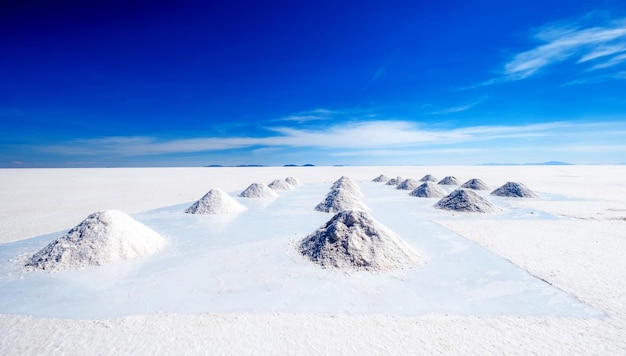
(192, 83)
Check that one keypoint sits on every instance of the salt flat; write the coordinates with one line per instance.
(572, 238)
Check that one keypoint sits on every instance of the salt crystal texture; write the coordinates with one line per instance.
(258, 190)
(514, 190)
(381, 179)
(476, 184)
(467, 201)
(341, 199)
(280, 184)
(346, 183)
(293, 181)
(102, 238)
(408, 184)
(449, 180)
(216, 201)
(395, 181)
(428, 190)
(428, 178)
(353, 240)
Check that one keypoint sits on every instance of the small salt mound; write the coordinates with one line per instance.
(353, 240)
(408, 184)
(347, 184)
(102, 238)
(216, 201)
(449, 180)
(280, 184)
(381, 179)
(395, 181)
(514, 190)
(339, 200)
(428, 178)
(475, 184)
(467, 201)
(293, 181)
(258, 190)
(428, 190)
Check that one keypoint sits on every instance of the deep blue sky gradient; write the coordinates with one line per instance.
(123, 83)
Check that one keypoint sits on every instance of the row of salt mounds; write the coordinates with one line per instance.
(293, 181)
(476, 184)
(428, 178)
(353, 240)
(449, 180)
(102, 238)
(381, 179)
(343, 195)
(428, 190)
(514, 190)
(395, 181)
(280, 184)
(258, 190)
(216, 201)
(467, 201)
(408, 184)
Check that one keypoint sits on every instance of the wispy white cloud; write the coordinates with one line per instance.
(456, 109)
(311, 115)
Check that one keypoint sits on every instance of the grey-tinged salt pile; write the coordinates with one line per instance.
(514, 190)
(280, 184)
(258, 190)
(449, 180)
(428, 178)
(103, 238)
(466, 200)
(381, 179)
(428, 190)
(476, 184)
(353, 240)
(408, 184)
(293, 181)
(395, 181)
(216, 201)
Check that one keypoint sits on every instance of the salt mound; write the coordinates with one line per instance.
(515, 190)
(340, 199)
(428, 178)
(293, 181)
(347, 184)
(465, 200)
(395, 181)
(280, 184)
(216, 201)
(381, 179)
(102, 238)
(408, 184)
(258, 190)
(428, 190)
(475, 184)
(449, 180)
(354, 240)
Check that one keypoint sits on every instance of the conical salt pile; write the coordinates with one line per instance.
(467, 201)
(514, 190)
(347, 184)
(280, 184)
(428, 190)
(216, 201)
(475, 184)
(293, 181)
(395, 181)
(449, 180)
(354, 240)
(408, 184)
(428, 178)
(340, 199)
(258, 190)
(381, 179)
(102, 238)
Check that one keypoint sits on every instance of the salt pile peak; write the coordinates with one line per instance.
(293, 181)
(408, 184)
(449, 180)
(428, 190)
(258, 190)
(343, 195)
(428, 178)
(216, 201)
(381, 179)
(514, 190)
(395, 181)
(280, 184)
(476, 184)
(353, 240)
(346, 183)
(466, 200)
(103, 238)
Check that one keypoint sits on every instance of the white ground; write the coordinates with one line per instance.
(573, 238)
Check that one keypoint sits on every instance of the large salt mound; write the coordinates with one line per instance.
(354, 240)
(258, 190)
(428, 190)
(339, 200)
(467, 201)
(449, 180)
(102, 238)
(514, 190)
(395, 181)
(347, 184)
(280, 184)
(428, 178)
(476, 184)
(381, 179)
(293, 181)
(408, 184)
(216, 201)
